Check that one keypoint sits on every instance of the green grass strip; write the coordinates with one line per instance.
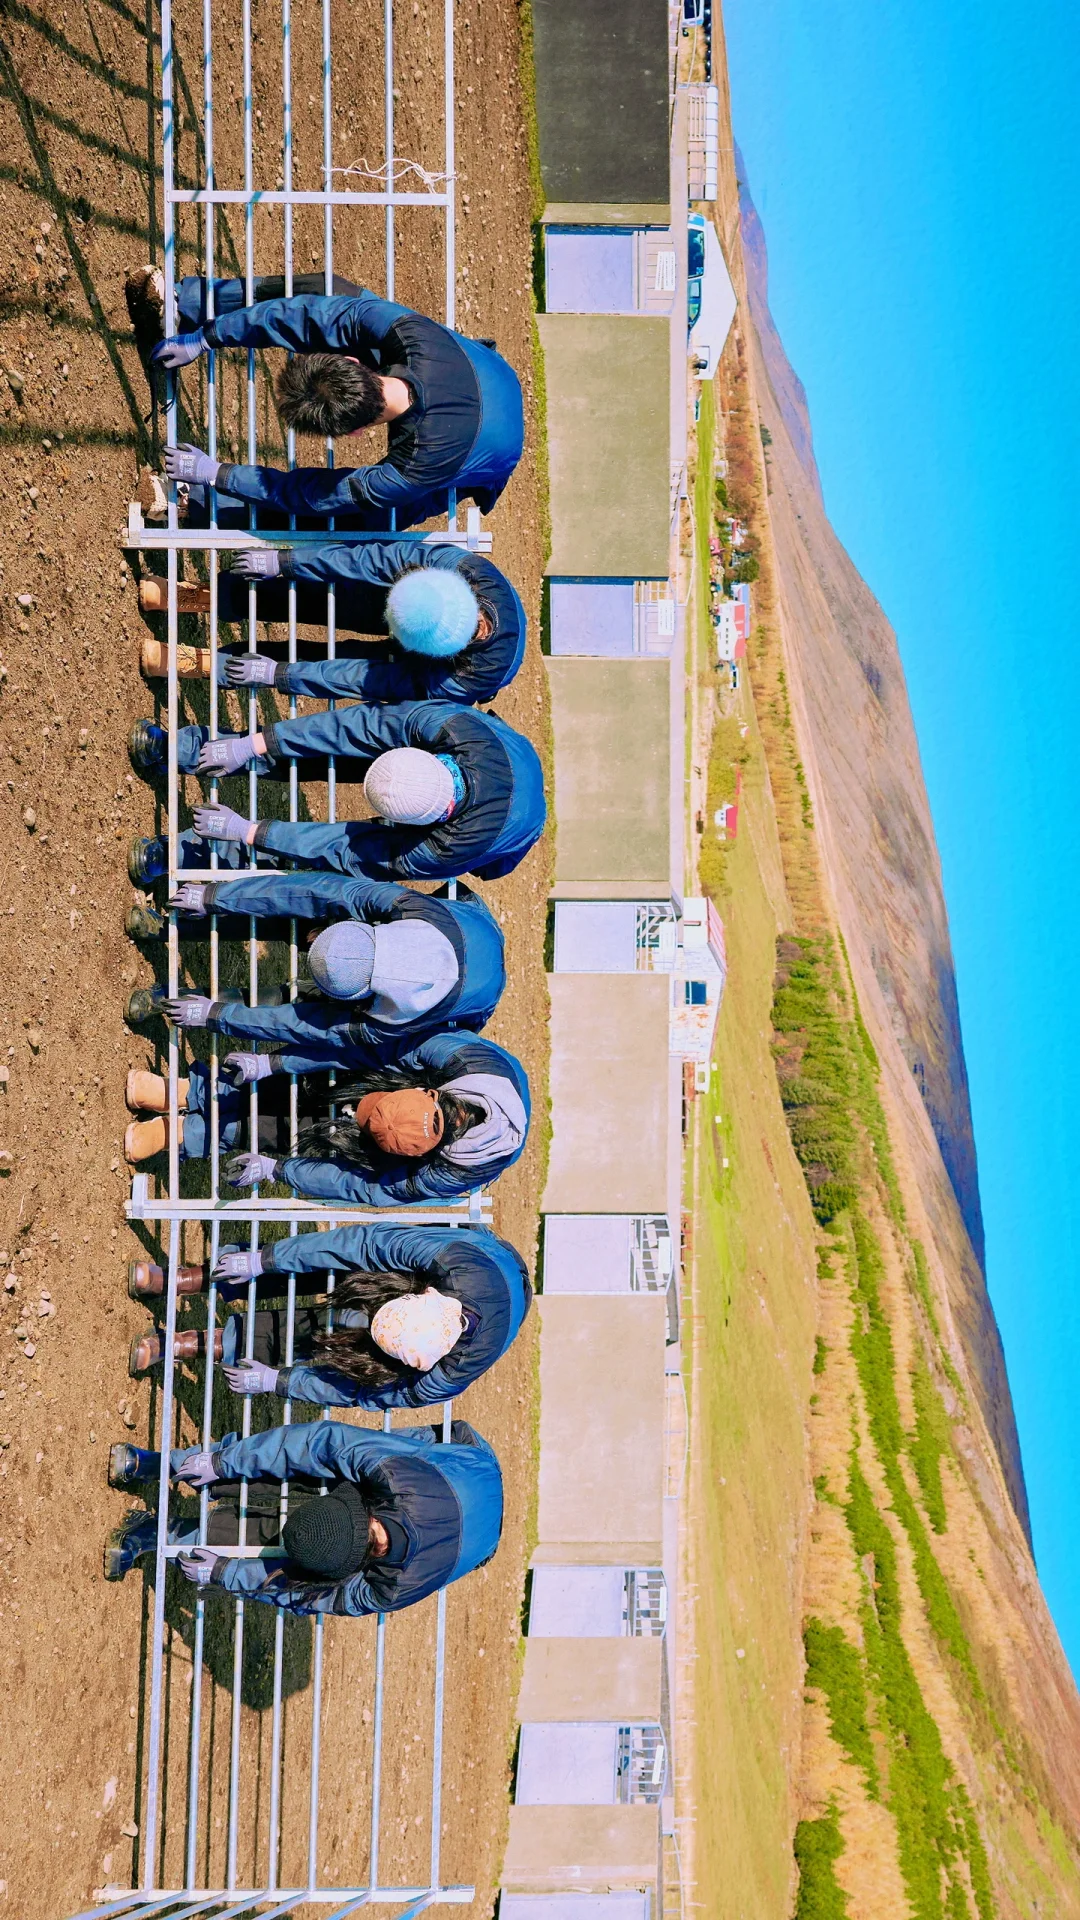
(818, 1845)
(835, 1667)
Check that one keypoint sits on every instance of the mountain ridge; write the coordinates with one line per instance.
(877, 831)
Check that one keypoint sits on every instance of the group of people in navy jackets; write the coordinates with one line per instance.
(400, 1099)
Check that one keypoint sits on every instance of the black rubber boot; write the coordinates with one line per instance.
(144, 1004)
(148, 747)
(136, 1535)
(130, 1466)
(148, 860)
(142, 922)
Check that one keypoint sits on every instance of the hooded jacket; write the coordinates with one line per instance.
(487, 1275)
(501, 816)
(312, 1029)
(363, 575)
(446, 1498)
(443, 1060)
(464, 430)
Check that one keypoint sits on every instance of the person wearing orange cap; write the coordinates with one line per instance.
(441, 1120)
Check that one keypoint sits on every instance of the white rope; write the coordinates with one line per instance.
(389, 174)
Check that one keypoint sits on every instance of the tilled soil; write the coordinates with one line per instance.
(81, 205)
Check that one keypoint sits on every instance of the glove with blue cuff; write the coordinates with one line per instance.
(227, 755)
(199, 1566)
(250, 670)
(199, 1469)
(179, 350)
(187, 1009)
(221, 823)
(258, 563)
(189, 898)
(249, 1169)
(243, 1068)
(251, 1376)
(191, 464)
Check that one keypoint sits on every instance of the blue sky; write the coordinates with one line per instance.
(917, 172)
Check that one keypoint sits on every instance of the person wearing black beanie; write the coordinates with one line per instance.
(376, 1522)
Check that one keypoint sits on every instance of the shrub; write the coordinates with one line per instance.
(817, 1845)
(835, 1667)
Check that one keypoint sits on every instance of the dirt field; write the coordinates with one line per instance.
(80, 204)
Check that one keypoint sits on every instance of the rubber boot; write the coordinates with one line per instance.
(131, 1466)
(145, 1092)
(191, 597)
(136, 1535)
(146, 1280)
(192, 663)
(148, 860)
(148, 747)
(144, 1138)
(148, 1349)
(143, 922)
(144, 291)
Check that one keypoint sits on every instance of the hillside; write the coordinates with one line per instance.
(929, 1762)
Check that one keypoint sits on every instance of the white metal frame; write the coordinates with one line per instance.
(253, 1212)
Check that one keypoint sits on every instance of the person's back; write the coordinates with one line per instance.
(452, 406)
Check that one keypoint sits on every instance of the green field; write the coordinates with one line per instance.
(750, 1320)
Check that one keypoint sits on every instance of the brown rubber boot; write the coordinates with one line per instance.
(147, 1092)
(146, 1280)
(144, 1138)
(190, 596)
(148, 1349)
(192, 663)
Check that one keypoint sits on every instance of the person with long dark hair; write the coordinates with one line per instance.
(445, 1118)
(416, 1314)
(402, 1515)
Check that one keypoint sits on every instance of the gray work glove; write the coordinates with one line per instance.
(179, 350)
(243, 1068)
(251, 1376)
(227, 755)
(190, 898)
(221, 823)
(260, 563)
(250, 670)
(237, 1263)
(248, 1169)
(187, 1009)
(191, 464)
(199, 1469)
(199, 1565)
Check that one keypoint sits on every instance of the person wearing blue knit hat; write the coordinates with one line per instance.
(433, 613)
(453, 626)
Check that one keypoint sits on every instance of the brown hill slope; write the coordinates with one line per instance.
(877, 834)
(936, 1772)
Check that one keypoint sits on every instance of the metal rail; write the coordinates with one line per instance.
(174, 1824)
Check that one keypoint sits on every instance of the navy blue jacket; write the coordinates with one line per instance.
(465, 429)
(389, 672)
(440, 1059)
(447, 1499)
(486, 1274)
(314, 1027)
(501, 816)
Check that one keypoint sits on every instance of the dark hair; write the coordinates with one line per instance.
(321, 1138)
(326, 394)
(353, 1351)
